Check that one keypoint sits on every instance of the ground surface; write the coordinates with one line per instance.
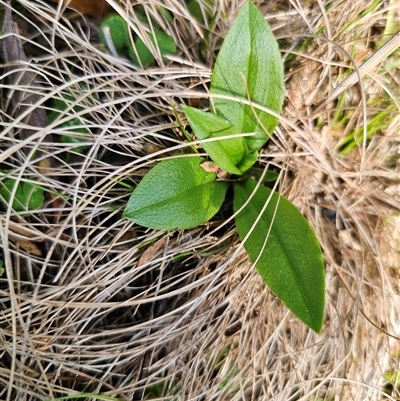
(92, 303)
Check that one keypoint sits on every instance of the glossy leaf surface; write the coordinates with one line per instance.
(176, 193)
(284, 249)
(249, 67)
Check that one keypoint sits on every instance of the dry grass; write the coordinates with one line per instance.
(85, 309)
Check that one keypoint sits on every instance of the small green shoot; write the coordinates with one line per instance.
(166, 390)
(374, 126)
(2, 269)
(392, 384)
(200, 13)
(114, 34)
(185, 192)
(28, 196)
(76, 126)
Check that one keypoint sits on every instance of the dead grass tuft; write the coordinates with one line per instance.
(92, 303)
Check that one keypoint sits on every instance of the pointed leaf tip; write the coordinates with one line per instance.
(290, 260)
(249, 67)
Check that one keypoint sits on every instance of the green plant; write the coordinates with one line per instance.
(185, 191)
(166, 390)
(114, 33)
(376, 124)
(75, 126)
(27, 196)
(392, 382)
(200, 10)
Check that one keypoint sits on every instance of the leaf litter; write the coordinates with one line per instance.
(84, 316)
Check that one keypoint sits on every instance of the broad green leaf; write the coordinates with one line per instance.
(249, 67)
(176, 193)
(284, 249)
(28, 196)
(226, 153)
